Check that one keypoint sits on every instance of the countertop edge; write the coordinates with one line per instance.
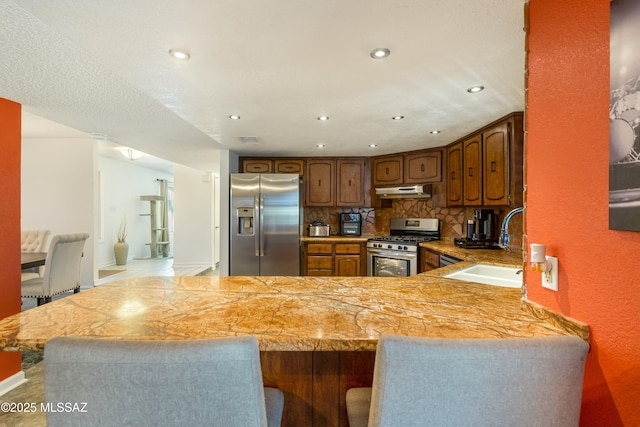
(561, 321)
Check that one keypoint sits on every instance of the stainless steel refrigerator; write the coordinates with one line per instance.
(265, 225)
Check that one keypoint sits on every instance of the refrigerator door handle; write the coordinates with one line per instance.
(256, 236)
(262, 237)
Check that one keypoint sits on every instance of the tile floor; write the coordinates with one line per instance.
(33, 390)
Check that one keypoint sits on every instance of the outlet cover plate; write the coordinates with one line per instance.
(550, 279)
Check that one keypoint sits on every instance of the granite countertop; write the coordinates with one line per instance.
(511, 257)
(284, 313)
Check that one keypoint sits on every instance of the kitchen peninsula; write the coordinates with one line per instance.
(317, 335)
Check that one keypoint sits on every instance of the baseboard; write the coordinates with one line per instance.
(12, 382)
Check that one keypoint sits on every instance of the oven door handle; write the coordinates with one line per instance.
(393, 255)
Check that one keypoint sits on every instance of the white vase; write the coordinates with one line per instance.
(121, 250)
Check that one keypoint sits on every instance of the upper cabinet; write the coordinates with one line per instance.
(256, 166)
(454, 178)
(320, 181)
(264, 165)
(289, 166)
(423, 166)
(486, 167)
(388, 170)
(351, 175)
(472, 170)
(336, 182)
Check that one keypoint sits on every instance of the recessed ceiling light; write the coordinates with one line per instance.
(397, 117)
(323, 118)
(320, 145)
(234, 117)
(373, 145)
(180, 54)
(475, 89)
(435, 132)
(380, 53)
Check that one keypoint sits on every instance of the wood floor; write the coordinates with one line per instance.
(33, 390)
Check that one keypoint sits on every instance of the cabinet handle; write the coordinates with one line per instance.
(493, 166)
(453, 175)
(349, 183)
(319, 183)
(386, 171)
(422, 167)
(470, 171)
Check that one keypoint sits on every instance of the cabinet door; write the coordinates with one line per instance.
(496, 165)
(388, 170)
(350, 187)
(423, 167)
(289, 166)
(320, 182)
(429, 259)
(257, 166)
(472, 170)
(347, 265)
(454, 175)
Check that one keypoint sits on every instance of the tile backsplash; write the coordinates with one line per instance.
(376, 221)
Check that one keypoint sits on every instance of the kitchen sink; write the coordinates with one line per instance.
(510, 277)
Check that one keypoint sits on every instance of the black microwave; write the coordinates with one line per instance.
(350, 224)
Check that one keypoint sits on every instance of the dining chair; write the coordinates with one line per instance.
(472, 382)
(33, 241)
(62, 272)
(212, 382)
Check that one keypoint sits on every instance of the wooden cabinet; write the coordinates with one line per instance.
(429, 260)
(320, 182)
(257, 166)
(318, 259)
(347, 259)
(423, 166)
(351, 175)
(265, 165)
(472, 170)
(334, 259)
(486, 168)
(496, 165)
(388, 170)
(336, 182)
(454, 174)
(289, 166)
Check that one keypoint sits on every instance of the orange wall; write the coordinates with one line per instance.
(10, 131)
(567, 154)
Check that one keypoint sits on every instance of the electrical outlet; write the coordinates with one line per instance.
(550, 278)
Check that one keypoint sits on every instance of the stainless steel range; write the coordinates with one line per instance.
(397, 255)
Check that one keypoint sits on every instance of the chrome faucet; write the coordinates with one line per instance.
(503, 240)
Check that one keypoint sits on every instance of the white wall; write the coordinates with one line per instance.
(194, 204)
(123, 182)
(68, 187)
(57, 191)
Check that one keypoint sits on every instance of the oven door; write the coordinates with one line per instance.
(391, 263)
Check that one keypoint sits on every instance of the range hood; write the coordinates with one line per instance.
(422, 191)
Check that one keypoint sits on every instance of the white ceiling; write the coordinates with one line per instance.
(103, 67)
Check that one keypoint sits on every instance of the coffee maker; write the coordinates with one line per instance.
(481, 232)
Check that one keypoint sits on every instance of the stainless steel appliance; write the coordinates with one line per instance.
(265, 225)
(397, 255)
(481, 231)
(350, 224)
(319, 229)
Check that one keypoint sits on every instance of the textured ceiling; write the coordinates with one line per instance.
(103, 67)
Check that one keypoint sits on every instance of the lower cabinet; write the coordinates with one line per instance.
(429, 260)
(334, 259)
